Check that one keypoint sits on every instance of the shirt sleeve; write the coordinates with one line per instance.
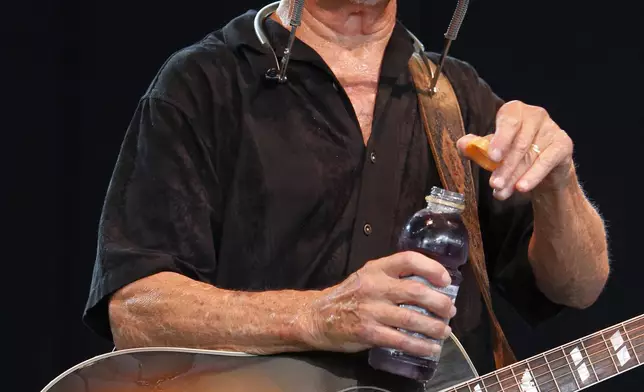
(506, 226)
(158, 209)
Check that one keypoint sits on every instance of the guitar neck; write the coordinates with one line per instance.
(571, 367)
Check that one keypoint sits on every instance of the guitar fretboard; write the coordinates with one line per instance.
(571, 367)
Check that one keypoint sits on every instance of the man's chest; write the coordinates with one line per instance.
(360, 83)
(311, 186)
(363, 101)
(301, 183)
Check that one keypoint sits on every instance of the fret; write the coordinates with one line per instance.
(544, 379)
(572, 372)
(609, 352)
(587, 357)
(476, 386)
(498, 380)
(562, 372)
(508, 382)
(524, 377)
(572, 367)
(578, 363)
(599, 356)
(630, 343)
(550, 370)
(463, 388)
(623, 356)
(492, 384)
(635, 330)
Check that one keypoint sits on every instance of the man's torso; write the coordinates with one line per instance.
(285, 193)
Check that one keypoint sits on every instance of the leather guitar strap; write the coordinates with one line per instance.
(441, 116)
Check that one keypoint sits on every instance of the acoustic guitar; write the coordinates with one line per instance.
(568, 368)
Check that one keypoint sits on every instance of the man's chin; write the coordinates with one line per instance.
(368, 2)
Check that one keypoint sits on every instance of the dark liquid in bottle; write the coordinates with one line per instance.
(442, 237)
(439, 236)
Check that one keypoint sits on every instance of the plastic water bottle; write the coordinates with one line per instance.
(438, 232)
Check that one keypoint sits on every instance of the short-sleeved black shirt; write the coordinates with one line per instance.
(250, 185)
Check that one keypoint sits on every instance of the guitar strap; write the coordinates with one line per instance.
(441, 116)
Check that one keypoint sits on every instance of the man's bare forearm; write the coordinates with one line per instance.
(169, 309)
(568, 249)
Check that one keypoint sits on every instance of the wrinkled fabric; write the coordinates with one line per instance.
(249, 185)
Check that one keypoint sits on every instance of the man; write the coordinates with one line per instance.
(249, 216)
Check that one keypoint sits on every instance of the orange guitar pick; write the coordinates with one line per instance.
(477, 151)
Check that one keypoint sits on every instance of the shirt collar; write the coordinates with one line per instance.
(239, 34)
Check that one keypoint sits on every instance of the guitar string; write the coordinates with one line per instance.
(553, 378)
(567, 365)
(513, 367)
(634, 347)
(638, 363)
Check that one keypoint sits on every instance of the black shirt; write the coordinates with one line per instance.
(249, 185)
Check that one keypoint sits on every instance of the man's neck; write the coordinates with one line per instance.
(353, 25)
(351, 37)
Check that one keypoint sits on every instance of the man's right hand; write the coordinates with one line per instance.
(364, 312)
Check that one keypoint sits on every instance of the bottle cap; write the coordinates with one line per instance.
(447, 198)
(434, 199)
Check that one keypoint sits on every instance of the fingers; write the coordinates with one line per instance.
(408, 319)
(464, 141)
(383, 336)
(410, 292)
(510, 185)
(413, 263)
(375, 307)
(544, 164)
(516, 165)
(508, 122)
(513, 151)
(542, 139)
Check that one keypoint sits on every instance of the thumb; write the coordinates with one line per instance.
(462, 143)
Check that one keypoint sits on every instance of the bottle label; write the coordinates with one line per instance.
(451, 291)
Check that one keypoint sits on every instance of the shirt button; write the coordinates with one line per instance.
(372, 157)
(367, 229)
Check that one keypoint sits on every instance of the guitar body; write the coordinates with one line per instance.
(189, 370)
(567, 368)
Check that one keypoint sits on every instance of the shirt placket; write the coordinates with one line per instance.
(377, 194)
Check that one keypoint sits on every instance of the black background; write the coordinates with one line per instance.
(74, 70)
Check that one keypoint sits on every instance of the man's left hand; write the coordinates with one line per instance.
(535, 154)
